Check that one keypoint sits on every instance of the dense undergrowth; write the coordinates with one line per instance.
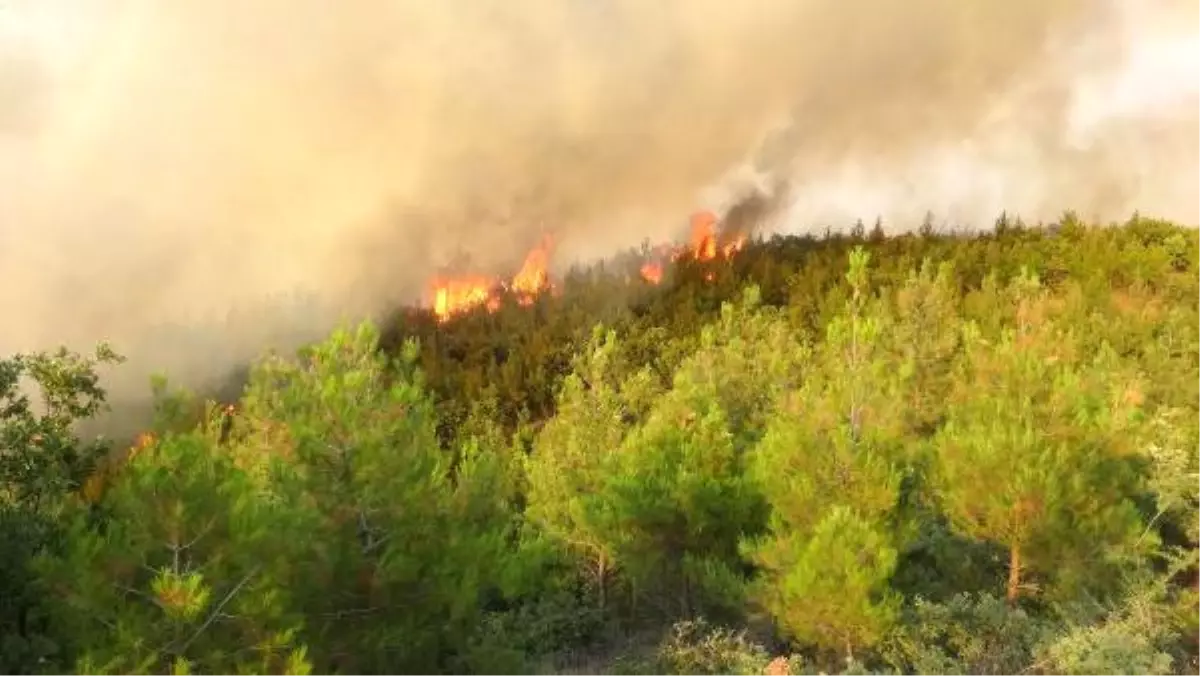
(925, 453)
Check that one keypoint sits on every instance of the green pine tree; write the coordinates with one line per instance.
(396, 550)
(1037, 450)
(576, 452)
(828, 467)
(188, 569)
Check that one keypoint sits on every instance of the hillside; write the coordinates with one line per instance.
(925, 453)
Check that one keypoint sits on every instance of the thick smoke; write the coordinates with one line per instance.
(1104, 122)
(166, 166)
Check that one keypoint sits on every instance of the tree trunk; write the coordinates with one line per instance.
(602, 580)
(1014, 574)
(686, 597)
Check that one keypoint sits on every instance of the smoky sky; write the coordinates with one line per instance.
(261, 167)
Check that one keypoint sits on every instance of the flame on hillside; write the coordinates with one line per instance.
(705, 245)
(451, 296)
(455, 295)
(652, 272)
(533, 277)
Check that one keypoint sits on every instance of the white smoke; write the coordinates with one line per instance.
(195, 180)
(1125, 139)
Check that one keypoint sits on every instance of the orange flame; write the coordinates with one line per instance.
(704, 246)
(733, 247)
(532, 277)
(457, 295)
(652, 272)
(453, 296)
(704, 235)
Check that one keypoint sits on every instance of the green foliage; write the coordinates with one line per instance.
(827, 466)
(188, 569)
(681, 501)
(845, 466)
(578, 452)
(1135, 639)
(42, 463)
(831, 589)
(1035, 453)
(745, 360)
(696, 647)
(41, 459)
(398, 550)
(968, 634)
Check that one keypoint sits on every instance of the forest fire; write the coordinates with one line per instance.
(705, 246)
(453, 296)
(533, 277)
(459, 294)
(652, 272)
(705, 239)
(704, 235)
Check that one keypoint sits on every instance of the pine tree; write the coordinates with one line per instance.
(678, 502)
(746, 359)
(187, 573)
(396, 548)
(579, 449)
(681, 488)
(828, 468)
(877, 233)
(1036, 452)
(925, 337)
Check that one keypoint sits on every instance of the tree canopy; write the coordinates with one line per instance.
(857, 453)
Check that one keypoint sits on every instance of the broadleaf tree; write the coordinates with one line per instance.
(44, 462)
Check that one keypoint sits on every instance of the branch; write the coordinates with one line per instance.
(203, 531)
(1150, 526)
(338, 614)
(131, 590)
(217, 611)
(364, 531)
(376, 544)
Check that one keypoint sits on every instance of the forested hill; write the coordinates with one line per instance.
(919, 454)
(515, 358)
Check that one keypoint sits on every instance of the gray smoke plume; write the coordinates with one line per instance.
(258, 168)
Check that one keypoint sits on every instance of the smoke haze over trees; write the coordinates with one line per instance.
(923, 454)
(242, 155)
(602, 336)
